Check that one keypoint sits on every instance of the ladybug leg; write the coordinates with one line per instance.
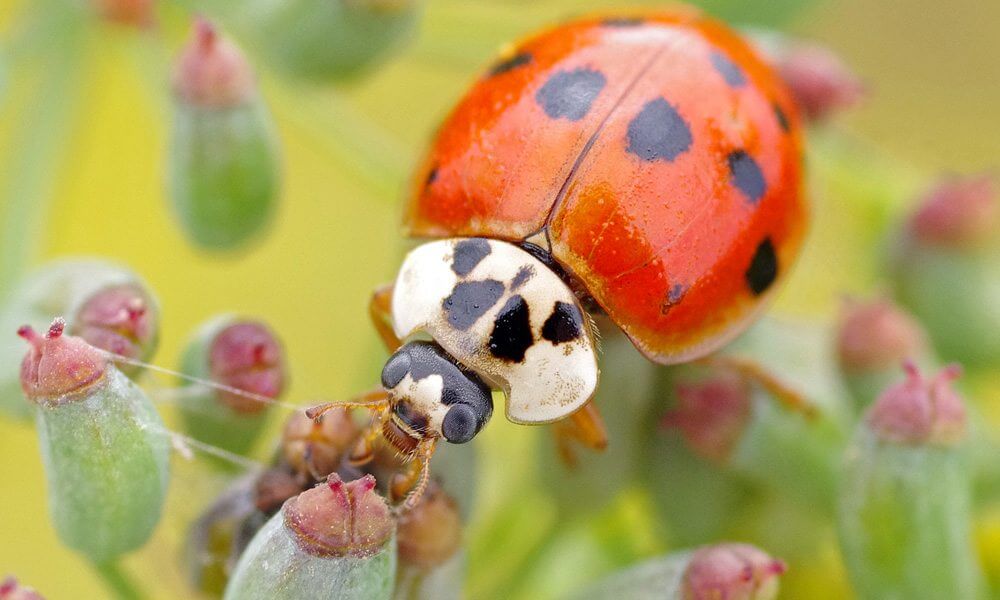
(585, 426)
(757, 373)
(376, 401)
(380, 311)
(411, 483)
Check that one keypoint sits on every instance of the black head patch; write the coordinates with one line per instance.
(509, 64)
(470, 300)
(460, 424)
(468, 254)
(763, 269)
(746, 175)
(511, 336)
(658, 132)
(569, 94)
(728, 69)
(565, 324)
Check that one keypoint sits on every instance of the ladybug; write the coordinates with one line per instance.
(647, 168)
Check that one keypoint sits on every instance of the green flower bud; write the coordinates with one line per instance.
(244, 356)
(224, 172)
(10, 589)
(324, 41)
(874, 339)
(108, 306)
(904, 505)
(104, 447)
(945, 269)
(728, 571)
(332, 541)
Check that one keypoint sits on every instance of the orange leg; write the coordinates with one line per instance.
(585, 426)
(380, 311)
(410, 484)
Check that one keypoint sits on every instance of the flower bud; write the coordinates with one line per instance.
(712, 414)
(904, 506)
(107, 305)
(333, 540)
(875, 337)
(244, 356)
(273, 487)
(315, 448)
(328, 41)
(10, 589)
(104, 447)
(728, 571)
(945, 269)
(431, 532)
(223, 157)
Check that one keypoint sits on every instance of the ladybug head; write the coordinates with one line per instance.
(501, 313)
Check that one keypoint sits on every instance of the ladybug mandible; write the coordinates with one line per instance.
(647, 167)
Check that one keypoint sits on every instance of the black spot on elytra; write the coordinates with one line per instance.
(470, 300)
(623, 21)
(674, 296)
(460, 424)
(782, 118)
(523, 275)
(569, 94)
(509, 64)
(763, 269)
(468, 254)
(565, 324)
(658, 132)
(511, 336)
(431, 177)
(729, 70)
(746, 175)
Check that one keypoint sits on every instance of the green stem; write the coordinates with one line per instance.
(119, 583)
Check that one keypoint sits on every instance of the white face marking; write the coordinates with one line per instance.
(544, 380)
(425, 398)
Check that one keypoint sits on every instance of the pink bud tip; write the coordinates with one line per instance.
(246, 355)
(339, 519)
(731, 572)
(818, 79)
(119, 319)
(959, 211)
(920, 411)
(712, 413)
(10, 589)
(57, 366)
(877, 335)
(212, 71)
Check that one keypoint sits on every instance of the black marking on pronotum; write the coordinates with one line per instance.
(570, 94)
(460, 388)
(511, 336)
(763, 269)
(746, 175)
(509, 64)
(524, 274)
(470, 300)
(623, 21)
(565, 324)
(674, 296)
(658, 132)
(468, 254)
(729, 70)
(782, 118)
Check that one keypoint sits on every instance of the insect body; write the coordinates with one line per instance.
(648, 167)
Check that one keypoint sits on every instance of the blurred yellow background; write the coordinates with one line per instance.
(934, 73)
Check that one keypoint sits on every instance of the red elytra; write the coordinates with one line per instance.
(658, 159)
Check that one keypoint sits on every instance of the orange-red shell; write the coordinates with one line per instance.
(658, 158)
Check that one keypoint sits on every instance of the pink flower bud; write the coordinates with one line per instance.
(959, 211)
(712, 413)
(120, 319)
(212, 71)
(820, 81)
(918, 411)
(339, 519)
(877, 335)
(10, 589)
(731, 572)
(57, 366)
(431, 532)
(246, 355)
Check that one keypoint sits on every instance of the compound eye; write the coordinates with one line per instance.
(396, 368)
(460, 424)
